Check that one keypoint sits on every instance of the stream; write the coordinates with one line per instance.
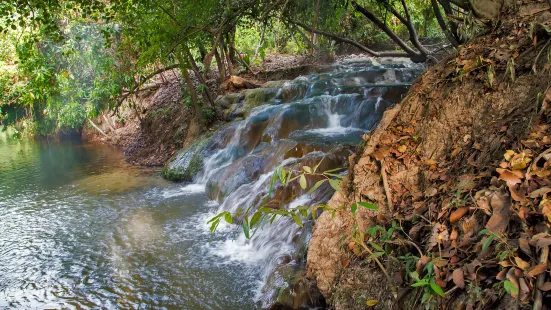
(80, 228)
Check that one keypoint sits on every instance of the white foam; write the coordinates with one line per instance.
(184, 190)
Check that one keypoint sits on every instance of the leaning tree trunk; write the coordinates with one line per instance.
(453, 128)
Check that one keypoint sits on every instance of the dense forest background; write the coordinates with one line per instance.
(64, 62)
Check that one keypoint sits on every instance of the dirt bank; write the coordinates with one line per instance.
(433, 167)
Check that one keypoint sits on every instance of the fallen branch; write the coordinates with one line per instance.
(387, 188)
(98, 129)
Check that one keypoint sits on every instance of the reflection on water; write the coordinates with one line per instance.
(81, 229)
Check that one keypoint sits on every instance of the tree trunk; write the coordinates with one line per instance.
(221, 67)
(184, 67)
(206, 90)
(226, 54)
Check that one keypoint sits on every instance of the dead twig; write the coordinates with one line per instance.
(387, 188)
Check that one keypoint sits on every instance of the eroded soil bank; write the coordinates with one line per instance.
(461, 167)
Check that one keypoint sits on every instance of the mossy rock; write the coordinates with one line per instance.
(274, 84)
(187, 163)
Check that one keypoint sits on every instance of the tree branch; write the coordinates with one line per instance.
(410, 52)
(351, 42)
(140, 83)
(443, 24)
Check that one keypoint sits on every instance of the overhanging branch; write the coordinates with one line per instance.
(351, 42)
(410, 52)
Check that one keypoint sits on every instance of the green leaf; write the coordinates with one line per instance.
(316, 186)
(335, 184)
(246, 227)
(488, 242)
(215, 218)
(297, 220)
(303, 212)
(317, 166)
(437, 289)
(376, 254)
(368, 205)
(228, 217)
(483, 232)
(353, 208)
(214, 225)
(338, 176)
(255, 218)
(266, 210)
(272, 219)
(376, 246)
(303, 182)
(414, 275)
(420, 283)
(509, 287)
(307, 169)
(333, 170)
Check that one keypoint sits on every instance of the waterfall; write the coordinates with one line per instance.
(310, 119)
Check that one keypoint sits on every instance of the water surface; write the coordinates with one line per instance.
(79, 228)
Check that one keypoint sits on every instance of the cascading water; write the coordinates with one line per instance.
(309, 119)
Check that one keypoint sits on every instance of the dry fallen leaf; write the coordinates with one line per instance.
(545, 286)
(458, 278)
(508, 176)
(525, 246)
(371, 302)
(501, 213)
(458, 214)
(520, 161)
(402, 148)
(521, 263)
(509, 155)
(431, 191)
(540, 192)
(536, 270)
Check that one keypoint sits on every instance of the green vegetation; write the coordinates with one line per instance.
(64, 62)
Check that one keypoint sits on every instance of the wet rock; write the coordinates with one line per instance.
(187, 163)
(274, 84)
(262, 160)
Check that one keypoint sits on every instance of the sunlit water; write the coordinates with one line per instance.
(81, 229)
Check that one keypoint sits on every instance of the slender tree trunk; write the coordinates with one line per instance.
(189, 84)
(226, 53)
(221, 68)
(261, 41)
(416, 56)
(442, 24)
(206, 90)
(315, 24)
